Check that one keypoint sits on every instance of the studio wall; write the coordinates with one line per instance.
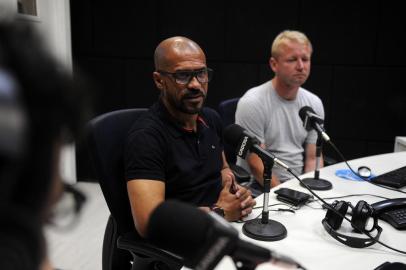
(358, 64)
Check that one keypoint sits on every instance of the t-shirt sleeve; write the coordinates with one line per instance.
(144, 156)
(249, 116)
(319, 110)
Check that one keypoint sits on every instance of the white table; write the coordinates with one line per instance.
(308, 242)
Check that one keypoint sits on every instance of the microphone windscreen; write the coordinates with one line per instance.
(303, 112)
(233, 134)
(178, 228)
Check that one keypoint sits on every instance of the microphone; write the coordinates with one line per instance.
(203, 239)
(312, 120)
(243, 141)
(264, 229)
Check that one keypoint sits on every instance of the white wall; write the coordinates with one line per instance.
(53, 22)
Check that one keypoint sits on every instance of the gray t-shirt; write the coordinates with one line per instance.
(276, 123)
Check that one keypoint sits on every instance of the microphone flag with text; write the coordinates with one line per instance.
(312, 120)
(203, 239)
(243, 142)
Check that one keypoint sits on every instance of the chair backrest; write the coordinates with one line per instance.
(226, 110)
(106, 137)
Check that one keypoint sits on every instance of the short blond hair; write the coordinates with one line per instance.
(290, 35)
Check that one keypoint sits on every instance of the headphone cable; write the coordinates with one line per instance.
(363, 178)
(328, 206)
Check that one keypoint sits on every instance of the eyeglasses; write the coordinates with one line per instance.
(184, 77)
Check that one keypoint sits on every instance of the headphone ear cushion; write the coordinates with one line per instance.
(362, 212)
(332, 218)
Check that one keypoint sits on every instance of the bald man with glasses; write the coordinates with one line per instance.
(175, 151)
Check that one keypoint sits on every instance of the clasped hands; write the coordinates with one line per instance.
(235, 200)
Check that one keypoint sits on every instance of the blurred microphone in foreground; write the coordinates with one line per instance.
(204, 239)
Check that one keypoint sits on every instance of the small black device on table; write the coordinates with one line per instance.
(292, 196)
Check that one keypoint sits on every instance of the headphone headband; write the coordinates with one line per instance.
(360, 214)
(351, 241)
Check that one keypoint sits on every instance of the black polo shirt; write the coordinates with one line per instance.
(189, 162)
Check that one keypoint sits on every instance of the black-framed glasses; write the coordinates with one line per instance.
(184, 77)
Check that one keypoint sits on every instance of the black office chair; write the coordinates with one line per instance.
(105, 138)
(226, 110)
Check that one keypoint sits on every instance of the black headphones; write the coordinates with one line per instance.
(361, 214)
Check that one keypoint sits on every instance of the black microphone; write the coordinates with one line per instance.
(243, 141)
(264, 229)
(203, 239)
(312, 120)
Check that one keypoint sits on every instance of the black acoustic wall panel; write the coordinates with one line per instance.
(387, 100)
(369, 106)
(342, 32)
(201, 21)
(231, 80)
(391, 30)
(351, 103)
(375, 148)
(140, 90)
(265, 72)
(81, 28)
(349, 148)
(319, 83)
(107, 75)
(124, 29)
(251, 27)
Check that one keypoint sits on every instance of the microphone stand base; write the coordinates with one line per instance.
(271, 231)
(317, 184)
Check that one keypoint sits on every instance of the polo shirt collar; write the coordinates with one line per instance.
(174, 127)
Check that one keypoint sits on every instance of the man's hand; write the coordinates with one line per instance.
(228, 175)
(236, 205)
(246, 200)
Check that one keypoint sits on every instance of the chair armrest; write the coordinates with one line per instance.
(140, 248)
(241, 175)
